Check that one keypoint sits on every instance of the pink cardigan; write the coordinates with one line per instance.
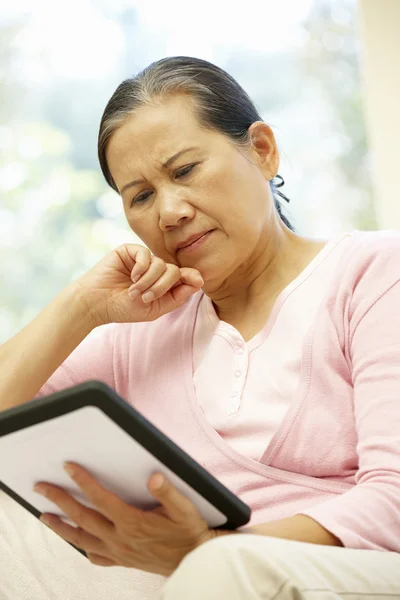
(336, 455)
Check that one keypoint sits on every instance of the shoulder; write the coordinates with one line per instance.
(369, 267)
(375, 243)
(372, 254)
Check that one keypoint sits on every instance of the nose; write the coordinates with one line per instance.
(174, 210)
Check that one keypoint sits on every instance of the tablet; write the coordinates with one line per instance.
(91, 425)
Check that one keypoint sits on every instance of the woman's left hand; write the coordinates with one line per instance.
(119, 534)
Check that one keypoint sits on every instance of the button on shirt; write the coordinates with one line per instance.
(245, 389)
(334, 456)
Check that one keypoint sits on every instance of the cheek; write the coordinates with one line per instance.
(228, 188)
(151, 236)
(143, 229)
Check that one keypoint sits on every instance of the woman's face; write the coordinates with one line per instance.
(179, 180)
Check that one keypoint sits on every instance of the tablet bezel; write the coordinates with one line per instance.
(100, 395)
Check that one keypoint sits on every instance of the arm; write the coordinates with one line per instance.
(29, 358)
(299, 528)
(99, 297)
(368, 515)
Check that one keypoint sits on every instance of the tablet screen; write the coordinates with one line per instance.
(90, 438)
(91, 425)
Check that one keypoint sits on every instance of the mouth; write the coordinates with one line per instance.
(196, 242)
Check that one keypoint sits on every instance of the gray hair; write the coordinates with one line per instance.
(221, 104)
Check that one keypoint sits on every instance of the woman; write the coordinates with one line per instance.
(270, 357)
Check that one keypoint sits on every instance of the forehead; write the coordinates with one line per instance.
(153, 134)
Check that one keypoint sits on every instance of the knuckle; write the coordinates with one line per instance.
(56, 495)
(174, 270)
(77, 514)
(130, 526)
(92, 558)
(188, 511)
(142, 260)
(79, 535)
(158, 262)
(161, 288)
(121, 553)
(125, 532)
(144, 253)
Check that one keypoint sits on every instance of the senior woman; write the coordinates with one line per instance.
(272, 358)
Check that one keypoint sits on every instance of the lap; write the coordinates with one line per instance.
(36, 564)
(252, 567)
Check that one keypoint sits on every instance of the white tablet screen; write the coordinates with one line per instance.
(92, 439)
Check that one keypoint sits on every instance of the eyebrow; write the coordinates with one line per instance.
(164, 166)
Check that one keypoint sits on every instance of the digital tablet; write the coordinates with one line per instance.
(91, 425)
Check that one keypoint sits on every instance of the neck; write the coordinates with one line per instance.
(259, 280)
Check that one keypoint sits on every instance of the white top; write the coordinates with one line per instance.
(245, 389)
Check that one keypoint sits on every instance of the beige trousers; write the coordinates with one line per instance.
(252, 567)
(36, 564)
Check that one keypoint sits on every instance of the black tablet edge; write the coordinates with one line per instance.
(36, 513)
(147, 435)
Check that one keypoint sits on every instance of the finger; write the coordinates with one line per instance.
(90, 520)
(75, 535)
(191, 277)
(189, 283)
(102, 561)
(177, 506)
(162, 285)
(157, 268)
(142, 263)
(181, 293)
(177, 296)
(108, 503)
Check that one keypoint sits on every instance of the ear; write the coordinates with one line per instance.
(264, 148)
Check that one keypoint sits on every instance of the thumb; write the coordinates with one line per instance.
(191, 277)
(182, 292)
(176, 505)
(189, 283)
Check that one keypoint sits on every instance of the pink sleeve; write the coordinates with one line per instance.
(92, 359)
(368, 515)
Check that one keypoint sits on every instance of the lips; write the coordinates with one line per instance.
(190, 240)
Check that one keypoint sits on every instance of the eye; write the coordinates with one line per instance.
(140, 198)
(184, 171)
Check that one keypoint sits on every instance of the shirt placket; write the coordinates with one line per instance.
(240, 366)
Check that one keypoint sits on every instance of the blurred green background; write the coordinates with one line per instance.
(59, 65)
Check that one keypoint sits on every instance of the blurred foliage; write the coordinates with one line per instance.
(50, 204)
(331, 58)
(57, 216)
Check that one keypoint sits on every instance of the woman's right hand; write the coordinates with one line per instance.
(106, 287)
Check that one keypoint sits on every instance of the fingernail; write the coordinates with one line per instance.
(134, 293)
(39, 489)
(148, 297)
(69, 469)
(158, 481)
(136, 279)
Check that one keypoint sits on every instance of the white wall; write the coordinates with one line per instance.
(379, 25)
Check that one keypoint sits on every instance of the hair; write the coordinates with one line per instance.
(221, 104)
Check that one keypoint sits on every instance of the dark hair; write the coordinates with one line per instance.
(221, 104)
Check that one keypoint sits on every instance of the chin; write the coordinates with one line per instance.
(213, 268)
(213, 277)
